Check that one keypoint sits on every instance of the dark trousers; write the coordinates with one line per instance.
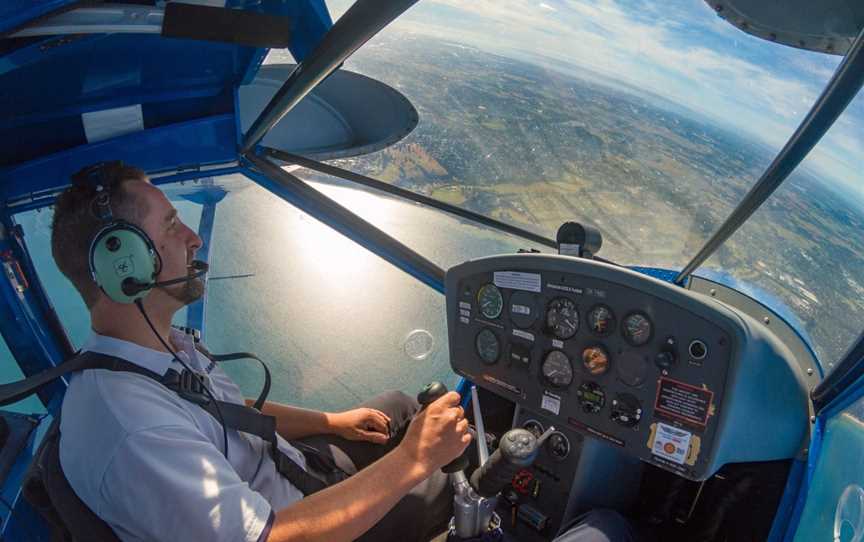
(421, 514)
(603, 525)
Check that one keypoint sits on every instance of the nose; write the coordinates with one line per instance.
(194, 240)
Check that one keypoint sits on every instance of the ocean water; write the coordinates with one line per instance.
(331, 319)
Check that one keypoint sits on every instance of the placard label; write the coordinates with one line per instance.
(683, 402)
(530, 282)
(550, 403)
(671, 443)
(523, 335)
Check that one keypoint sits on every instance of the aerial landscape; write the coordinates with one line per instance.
(536, 147)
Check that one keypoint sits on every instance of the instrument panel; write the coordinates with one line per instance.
(604, 351)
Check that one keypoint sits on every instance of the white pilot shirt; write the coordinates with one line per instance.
(151, 464)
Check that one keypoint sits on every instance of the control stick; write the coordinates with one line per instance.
(474, 500)
(427, 396)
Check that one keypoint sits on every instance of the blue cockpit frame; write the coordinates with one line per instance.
(189, 130)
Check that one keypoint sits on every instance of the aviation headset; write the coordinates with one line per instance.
(123, 260)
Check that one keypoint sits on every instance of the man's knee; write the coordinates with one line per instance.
(394, 403)
(601, 525)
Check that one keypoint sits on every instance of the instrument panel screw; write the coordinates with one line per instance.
(810, 371)
(713, 292)
(766, 320)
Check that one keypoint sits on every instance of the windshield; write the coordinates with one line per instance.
(649, 120)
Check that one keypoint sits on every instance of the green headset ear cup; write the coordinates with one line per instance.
(122, 251)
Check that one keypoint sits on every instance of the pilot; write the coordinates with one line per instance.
(155, 466)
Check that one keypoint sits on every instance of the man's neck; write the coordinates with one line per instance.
(125, 322)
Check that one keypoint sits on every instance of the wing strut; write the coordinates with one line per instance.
(343, 220)
(841, 89)
(363, 20)
(330, 169)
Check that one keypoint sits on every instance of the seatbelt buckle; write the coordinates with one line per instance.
(191, 387)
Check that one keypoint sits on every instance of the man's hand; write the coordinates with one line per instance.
(361, 424)
(438, 435)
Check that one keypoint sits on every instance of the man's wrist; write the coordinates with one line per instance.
(332, 423)
(416, 470)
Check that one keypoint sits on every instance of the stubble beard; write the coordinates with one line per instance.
(186, 293)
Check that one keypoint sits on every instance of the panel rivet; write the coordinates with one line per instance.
(810, 371)
(766, 320)
(713, 292)
(812, 419)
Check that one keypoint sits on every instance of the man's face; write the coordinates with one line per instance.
(175, 242)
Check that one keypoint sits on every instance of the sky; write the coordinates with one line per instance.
(679, 49)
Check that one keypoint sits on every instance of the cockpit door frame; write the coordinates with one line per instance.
(840, 390)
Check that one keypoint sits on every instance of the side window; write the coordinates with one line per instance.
(833, 510)
(10, 372)
(335, 323)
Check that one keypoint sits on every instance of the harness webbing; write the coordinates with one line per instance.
(234, 416)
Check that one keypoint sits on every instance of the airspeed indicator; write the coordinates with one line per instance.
(490, 300)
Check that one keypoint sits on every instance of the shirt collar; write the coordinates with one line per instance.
(152, 360)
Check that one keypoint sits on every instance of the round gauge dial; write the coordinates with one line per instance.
(562, 317)
(637, 329)
(601, 320)
(490, 300)
(632, 367)
(558, 446)
(534, 427)
(595, 359)
(488, 347)
(557, 369)
(591, 397)
(626, 410)
(523, 313)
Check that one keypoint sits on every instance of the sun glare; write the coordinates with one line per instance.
(333, 253)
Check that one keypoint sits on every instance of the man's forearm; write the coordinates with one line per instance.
(293, 422)
(348, 509)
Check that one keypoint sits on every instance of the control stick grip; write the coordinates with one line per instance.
(427, 396)
(517, 450)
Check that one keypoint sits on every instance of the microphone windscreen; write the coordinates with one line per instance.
(199, 265)
(132, 287)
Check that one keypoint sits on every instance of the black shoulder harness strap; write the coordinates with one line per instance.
(239, 417)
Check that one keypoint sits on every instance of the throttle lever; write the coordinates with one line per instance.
(428, 395)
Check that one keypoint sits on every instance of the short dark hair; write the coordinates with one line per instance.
(75, 223)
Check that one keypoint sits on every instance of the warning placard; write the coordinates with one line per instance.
(683, 402)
